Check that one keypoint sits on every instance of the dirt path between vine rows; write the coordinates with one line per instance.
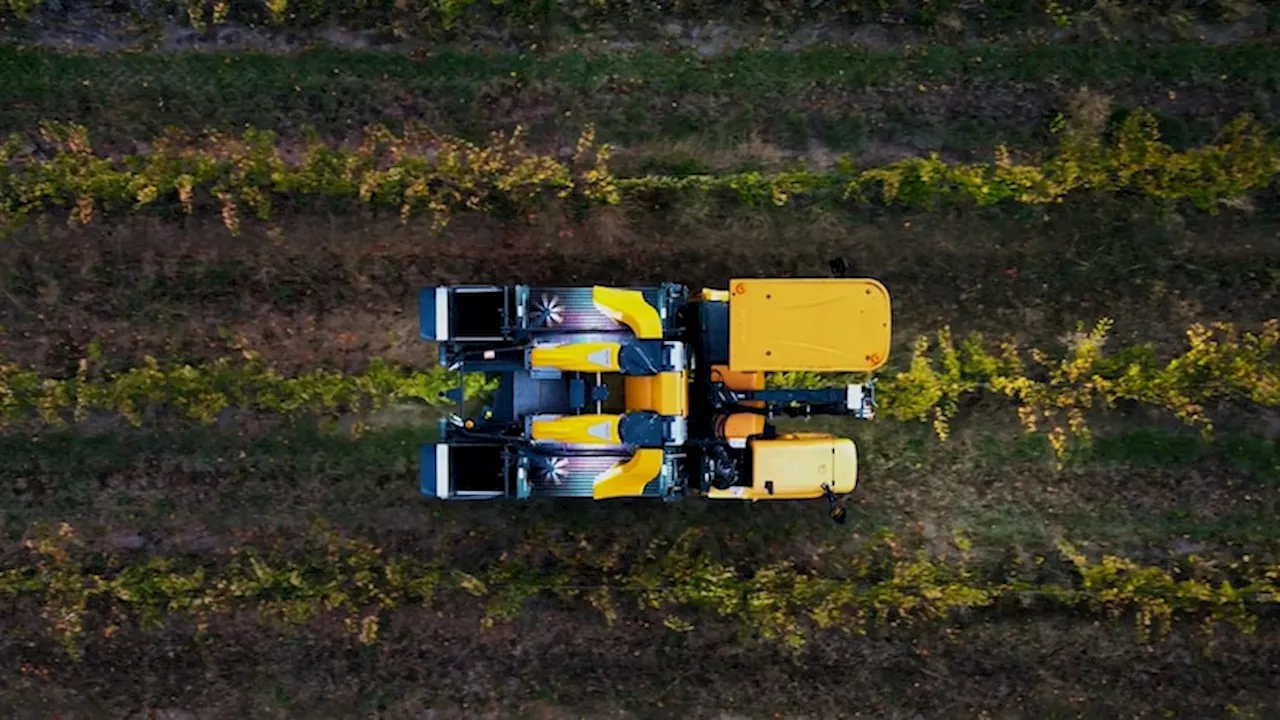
(308, 292)
(553, 664)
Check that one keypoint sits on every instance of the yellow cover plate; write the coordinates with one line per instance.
(807, 324)
(665, 393)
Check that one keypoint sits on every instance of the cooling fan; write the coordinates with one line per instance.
(547, 311)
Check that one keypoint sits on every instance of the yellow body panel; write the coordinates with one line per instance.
(578, 429)
(820, 325)
(710, 295)
(799, 463)
(665, 393)
(628, 479)
(629, 308)
(576, 357)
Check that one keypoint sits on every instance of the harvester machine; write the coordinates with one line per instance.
(651, 392)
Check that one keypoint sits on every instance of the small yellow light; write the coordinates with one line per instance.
(469, 424)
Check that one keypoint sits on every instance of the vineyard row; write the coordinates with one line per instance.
(1221, 364)
(883, 584)
(421, 172)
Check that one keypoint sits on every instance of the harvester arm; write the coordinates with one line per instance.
(856, 399)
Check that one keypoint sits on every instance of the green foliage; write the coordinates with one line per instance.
(422, 172)
(201, 392)
(883, 584)
(1220, 364)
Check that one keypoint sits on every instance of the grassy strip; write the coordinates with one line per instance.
(884, 583)
(420, 172)
(191, 485)
(644, 97)
(1220, 365)
(66, 455)
(448, 18)
(201, 79)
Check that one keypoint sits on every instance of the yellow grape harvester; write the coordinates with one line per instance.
(651, 392)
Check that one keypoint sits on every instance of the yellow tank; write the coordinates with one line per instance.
(795, 466)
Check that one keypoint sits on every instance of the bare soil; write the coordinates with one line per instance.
(556, 664)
